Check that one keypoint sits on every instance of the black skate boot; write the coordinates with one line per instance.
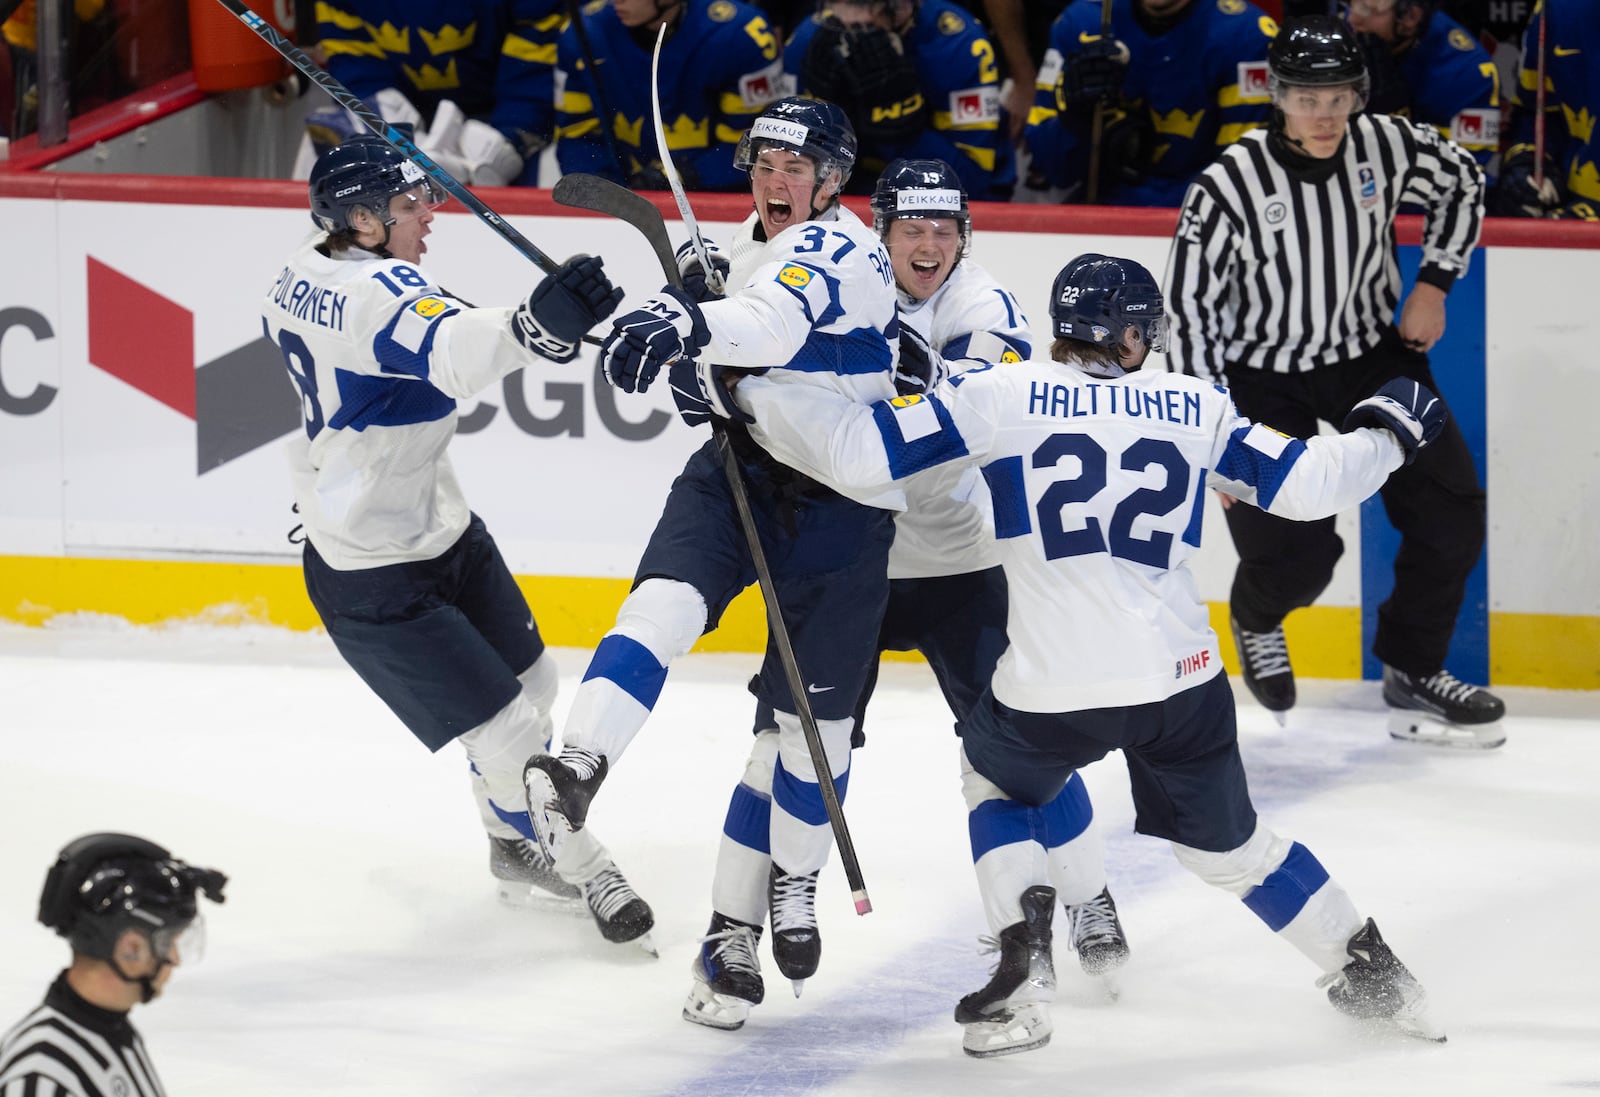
(1012, 1013)
(1463, 715)
(617, 908)
(527, 878)
(796, 943)
(1376, 985)
(1264, 660)
(727, 975)
(1097, 936)
(559, 791)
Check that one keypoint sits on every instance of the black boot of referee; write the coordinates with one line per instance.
(1264, 659)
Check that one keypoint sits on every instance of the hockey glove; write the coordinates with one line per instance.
(1408, 410)
(699, 390)
(1092, 74)
(920, 367)
(1515, 195)
(668, 327)
(695, 280)
(491, 160)
(562, 308)
(887, 104)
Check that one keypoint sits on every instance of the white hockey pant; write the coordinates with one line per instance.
(1015, 847)
(1284, 885)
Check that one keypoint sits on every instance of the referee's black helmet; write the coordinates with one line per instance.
(1317, 51)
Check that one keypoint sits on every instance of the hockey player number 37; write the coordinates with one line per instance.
(1154, 551)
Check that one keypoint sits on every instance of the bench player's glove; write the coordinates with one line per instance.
(1092, 74)
(868, 73)
(1405, 408)
(700, 390)
(562, 308)
(1515, 194)
(668, 327)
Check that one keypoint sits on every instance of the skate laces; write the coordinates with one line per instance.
(735, 949)
(608, 892)
(584, 764)
(1265, 653)
(1448, 686)
(794, 901)
(1094, 923)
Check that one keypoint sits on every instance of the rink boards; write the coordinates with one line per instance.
(143, 416)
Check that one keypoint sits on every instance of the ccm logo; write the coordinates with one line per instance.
(346, 190)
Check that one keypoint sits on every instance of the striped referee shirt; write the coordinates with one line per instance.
(69, 1047)
(1285, 269)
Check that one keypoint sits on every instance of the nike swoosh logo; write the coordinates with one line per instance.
(818, 689)
(1566, 53)
(1085, 36)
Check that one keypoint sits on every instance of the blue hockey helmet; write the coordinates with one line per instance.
(810, 127)
(1097, 297)
(364, 172)
(925, 189)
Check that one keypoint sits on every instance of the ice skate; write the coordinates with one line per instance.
(1012, 1013)
(796, 942)
(1264, 661)
(1441, 710)
(559, 791)
(528, 880)
(618, 910)
(1098, 939)
(1375, 985)
(727, 975)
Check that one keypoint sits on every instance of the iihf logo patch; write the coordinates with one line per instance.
(1275, 213)
(1369, 185)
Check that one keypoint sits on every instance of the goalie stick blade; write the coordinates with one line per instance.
(591, 192)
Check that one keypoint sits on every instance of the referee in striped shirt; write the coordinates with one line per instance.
(129, 910)
(1283, 282)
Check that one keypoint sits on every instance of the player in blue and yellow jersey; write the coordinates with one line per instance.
(918, 79)
(491, 61)
(1181, 79)
(1425, 66)
(1571, 180)
(719, 67)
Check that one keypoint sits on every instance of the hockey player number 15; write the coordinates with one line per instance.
(1155, 550)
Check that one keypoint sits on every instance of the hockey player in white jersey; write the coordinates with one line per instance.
(1097, 473)
(407, 580)
(812, 302)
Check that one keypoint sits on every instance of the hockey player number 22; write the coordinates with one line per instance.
(1156, 550)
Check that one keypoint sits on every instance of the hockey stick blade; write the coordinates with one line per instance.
(375, 122)
(599, 195)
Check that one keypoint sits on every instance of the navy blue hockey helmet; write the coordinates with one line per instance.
(105, 884)
(365, 172)
(1097, 297)
(1317, 51)
(925, 189)
(810, 127)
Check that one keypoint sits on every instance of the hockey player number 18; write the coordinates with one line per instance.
(1154, 551)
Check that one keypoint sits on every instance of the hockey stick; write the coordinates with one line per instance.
(602, 196)
(1538, 108)
(602, 113)
(670, 170)
(1097, 128)
(374, 122)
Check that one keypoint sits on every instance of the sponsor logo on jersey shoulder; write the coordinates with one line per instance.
(1230, 7)
(428, 307)
(1253, 81)
(720, 11)
(951, 23)
(757, 89)
(776, 129)
(906, 401)
(1049, 69)
(1461, 40)
(914, 417)
(1010, 356)
(795, 276)
(1476, 126)
(974, 105)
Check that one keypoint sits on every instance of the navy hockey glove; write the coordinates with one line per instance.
(668, 327)
(1405, 408)
(1515, 195)
(920, 367)
(699, 390)
(694, 275)
(562, 308)
(1091, 74)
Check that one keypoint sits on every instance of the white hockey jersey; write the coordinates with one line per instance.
(971, 321)
(1097, 491)
(380, 356)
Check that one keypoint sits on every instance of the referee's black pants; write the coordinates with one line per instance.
(1436, 503)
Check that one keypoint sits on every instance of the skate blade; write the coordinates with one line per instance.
(646, 944)
(526, 897)
(1428, 730)
(550, 826)
(799, 985)
(1111, 983)
(1022, 1028)
(1281, 717)
(719, 1011)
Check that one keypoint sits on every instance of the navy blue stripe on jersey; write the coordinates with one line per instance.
(1282, 895)
(961, 346)
(749, 819)
(846, 354)
(1068, 815)
(1263, 471)
(918, 433)
(996, 823)
(1008, 495)
(1191, 532)
(367, 401)
(629, 665)
(803, 799)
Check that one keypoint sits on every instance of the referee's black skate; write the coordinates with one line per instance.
(1442, 710)
(1264, 661)
(1098, 939)
(559, 791)
(796, 942)
(527, 879)
(1375, 985)
(727, 975)
(618, 911)
(1012, 1013)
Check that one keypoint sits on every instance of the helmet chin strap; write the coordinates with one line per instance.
(147, 983)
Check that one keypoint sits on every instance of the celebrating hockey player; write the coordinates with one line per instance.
(1097, 471)
(407, 580)
(813, 302)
